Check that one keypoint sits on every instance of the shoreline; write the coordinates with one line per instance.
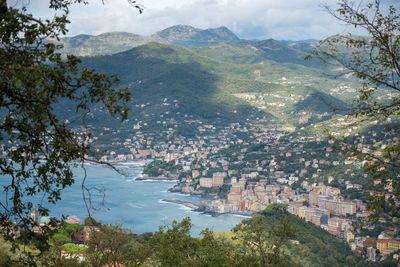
(139, 163)
(178, 189)
(144, 178)
(187, 204)
(202, 208)
(246, 214)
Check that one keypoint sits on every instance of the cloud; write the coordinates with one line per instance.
(250, 19)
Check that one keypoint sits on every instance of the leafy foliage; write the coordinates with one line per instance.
(256, 245)
(90, 221)
(113, 244)
(156, 167)
(271, 238)
(375, 60)
(261, 245)
(38, 146)
(316, 246)
(174, 246)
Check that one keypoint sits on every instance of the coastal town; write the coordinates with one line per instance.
(246, 169)
(183, 133)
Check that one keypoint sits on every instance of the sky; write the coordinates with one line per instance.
(248, 19)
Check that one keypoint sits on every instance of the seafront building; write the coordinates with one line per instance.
(251, 185)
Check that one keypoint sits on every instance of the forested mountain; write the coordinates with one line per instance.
(225, 83)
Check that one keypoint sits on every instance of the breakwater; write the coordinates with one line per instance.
(184, 203)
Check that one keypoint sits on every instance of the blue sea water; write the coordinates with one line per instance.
(137, 205)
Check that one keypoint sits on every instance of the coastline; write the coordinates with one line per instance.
(143, 178)
(178, 189)
(183, 203)
(138, 163)
(246, 214)
(137, 217)
(202, 208)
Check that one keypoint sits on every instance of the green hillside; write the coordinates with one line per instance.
(315, 247)
(173, 80)
(221, 84)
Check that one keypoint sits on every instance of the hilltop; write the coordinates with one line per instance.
(114, 42)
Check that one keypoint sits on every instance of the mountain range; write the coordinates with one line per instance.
(113, 42)
(214, 77)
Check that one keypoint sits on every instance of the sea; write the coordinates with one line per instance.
(117, 197)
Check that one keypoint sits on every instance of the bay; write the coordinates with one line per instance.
(137, 205)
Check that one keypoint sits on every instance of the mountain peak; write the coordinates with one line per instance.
(224, 33)
(189, 36)
(180, 27)
(177, 32)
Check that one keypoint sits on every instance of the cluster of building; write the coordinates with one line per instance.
(388, 246)
(253, 179)
(216, 181)
(329, 210)
(251, 197)
(166, 143)
(279, 171)
(80, 236)
(321, 205)
(272, 173)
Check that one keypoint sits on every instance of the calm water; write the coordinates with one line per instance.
(135, 204)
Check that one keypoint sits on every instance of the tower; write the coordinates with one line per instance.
(35, 215)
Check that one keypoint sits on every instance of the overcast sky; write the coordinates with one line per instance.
(248, 19)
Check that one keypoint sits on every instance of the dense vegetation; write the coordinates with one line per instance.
(271, 238)
(317, 247)
(158, 167)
